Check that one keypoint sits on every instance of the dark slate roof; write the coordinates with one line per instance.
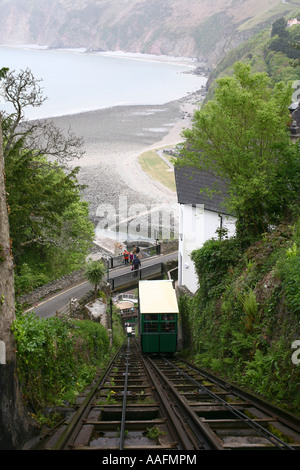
(189, 182)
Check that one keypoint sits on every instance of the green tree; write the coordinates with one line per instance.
(38, 194)
(241, 138)
(94, 273)
(42, 137)
(49, 223)
(283, 38)
(279, 28)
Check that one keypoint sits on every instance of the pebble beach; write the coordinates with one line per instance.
(114, 138)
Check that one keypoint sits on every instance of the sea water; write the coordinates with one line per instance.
(75, 81)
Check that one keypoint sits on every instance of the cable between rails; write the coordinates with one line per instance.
(257, 427)
(122, 432)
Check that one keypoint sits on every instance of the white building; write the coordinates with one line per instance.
(292, 22)
(199, 218)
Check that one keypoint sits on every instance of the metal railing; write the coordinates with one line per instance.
(147, 252)
(65, 310)
(133, 277)
(126, 296)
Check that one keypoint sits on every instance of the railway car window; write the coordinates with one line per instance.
(167, 323)
(150, 327)
(167, 328)
(151, 323)
(151, 317)
(168, 317)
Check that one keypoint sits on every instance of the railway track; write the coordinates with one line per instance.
(165, 404)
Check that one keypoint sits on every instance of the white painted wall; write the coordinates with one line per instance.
(196, 225)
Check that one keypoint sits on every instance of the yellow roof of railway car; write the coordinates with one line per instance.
(157, 297)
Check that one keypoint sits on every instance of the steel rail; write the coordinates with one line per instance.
(283, 416)
(122, 432)
(250, 422)
(209, 439)
(184, 441)
(187, 430)
(72, 428)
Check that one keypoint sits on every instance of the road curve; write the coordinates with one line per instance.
(49, 306)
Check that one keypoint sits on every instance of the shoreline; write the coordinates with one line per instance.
(183, 65)
(114, 138)
(189, 61)
(168, 133)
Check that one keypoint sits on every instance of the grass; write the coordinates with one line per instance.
(157, 169)
(281, 8)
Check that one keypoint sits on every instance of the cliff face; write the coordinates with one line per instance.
(187, 28)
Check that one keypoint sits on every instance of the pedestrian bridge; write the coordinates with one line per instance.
(130, 278)
(148, 252)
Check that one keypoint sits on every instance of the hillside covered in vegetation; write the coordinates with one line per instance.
(58, 358)
(271, 50)
(189, 28)
(244, 320)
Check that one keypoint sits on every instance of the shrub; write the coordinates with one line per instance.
(289, 271)
(212, 263)
(57, 357)
(244, 317)
(27, 280)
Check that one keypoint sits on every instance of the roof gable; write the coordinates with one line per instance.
(190, 181)
(157, 297)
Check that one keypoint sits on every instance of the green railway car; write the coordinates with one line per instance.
(158, 317)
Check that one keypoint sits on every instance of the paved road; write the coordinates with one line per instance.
(47, 307)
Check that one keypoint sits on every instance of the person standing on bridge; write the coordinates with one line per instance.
(126, 256)
(136, 250)
(136, 263)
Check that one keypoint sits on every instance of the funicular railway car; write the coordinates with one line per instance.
(129, 331)
(158, 316)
